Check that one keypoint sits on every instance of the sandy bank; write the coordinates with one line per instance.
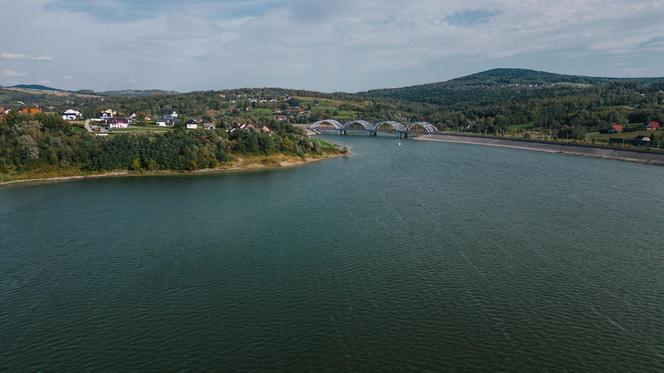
(239, 164)
(585, 151)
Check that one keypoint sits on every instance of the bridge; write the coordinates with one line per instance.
(392, 127)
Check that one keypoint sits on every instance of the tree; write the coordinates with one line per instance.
(135, 164)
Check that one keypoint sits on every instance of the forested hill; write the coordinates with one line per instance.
(502, 85)
(37, 87)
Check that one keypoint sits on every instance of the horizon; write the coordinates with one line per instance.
(323, 46)
(20, 85)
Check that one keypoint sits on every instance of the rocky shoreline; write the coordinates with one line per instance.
(585, 151)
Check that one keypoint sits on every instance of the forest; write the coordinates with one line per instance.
(499, 101)
(31, 143)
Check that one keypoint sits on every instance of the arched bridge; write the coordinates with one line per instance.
(401, 130)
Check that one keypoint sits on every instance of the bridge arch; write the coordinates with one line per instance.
(366, 125)
(425, 126)
(398, 127)
(321, 124)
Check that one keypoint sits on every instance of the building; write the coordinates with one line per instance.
(191, 124)
(107, 114)
(616, 128)
(282, 118)
(164, 123)
(31, 110)
(118, 123)
(72, 115)
(209, 126)
(653, 126)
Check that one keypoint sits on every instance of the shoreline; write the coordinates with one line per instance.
(240, 164)
(585, 151)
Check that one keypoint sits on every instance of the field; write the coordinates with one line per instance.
(135, 129)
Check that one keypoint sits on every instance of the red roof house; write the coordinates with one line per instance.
(654, 126)
(616, 128)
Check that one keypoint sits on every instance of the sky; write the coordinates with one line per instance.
(323, 45)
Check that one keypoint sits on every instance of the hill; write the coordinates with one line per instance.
(501, 85)
(37, 87)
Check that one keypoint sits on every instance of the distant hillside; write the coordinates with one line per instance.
(37, 87)
(500, 85)
(133, 93)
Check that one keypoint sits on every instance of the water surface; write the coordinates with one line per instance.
(418, 256)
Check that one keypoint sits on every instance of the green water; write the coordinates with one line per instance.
(419, 256)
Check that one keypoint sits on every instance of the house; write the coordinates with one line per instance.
(266, 130)
(31, 110)
(191, 124)
(653, 126)
(174, 114)
(72, 115)
(164, 123)
(118, 123)
(7, 111)
(107, 114)
(642, 138)
(209, 126)
(301, 110)
(282, 118)
(616, 128)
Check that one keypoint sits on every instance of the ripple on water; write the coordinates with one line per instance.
(426, 257)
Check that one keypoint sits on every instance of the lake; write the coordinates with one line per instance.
(407, 256)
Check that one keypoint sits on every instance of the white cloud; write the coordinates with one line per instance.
(13, 73)
(23, 56)
(13, 56)
(328, 44)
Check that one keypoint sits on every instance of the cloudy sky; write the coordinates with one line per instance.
(326, 45)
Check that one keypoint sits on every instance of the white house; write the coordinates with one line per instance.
(72, 115)
(118, 123)
(106, 114)
(174, 114)
(191, 124)
(209, 126)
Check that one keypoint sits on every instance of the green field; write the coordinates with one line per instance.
(135, 129)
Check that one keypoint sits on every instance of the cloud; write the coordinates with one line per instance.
(471, 17)
(23, 56)
(12, 73)
(125, 11)
(13, 56)
(325, 44)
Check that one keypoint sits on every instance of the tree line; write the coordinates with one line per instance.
(32, 142)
